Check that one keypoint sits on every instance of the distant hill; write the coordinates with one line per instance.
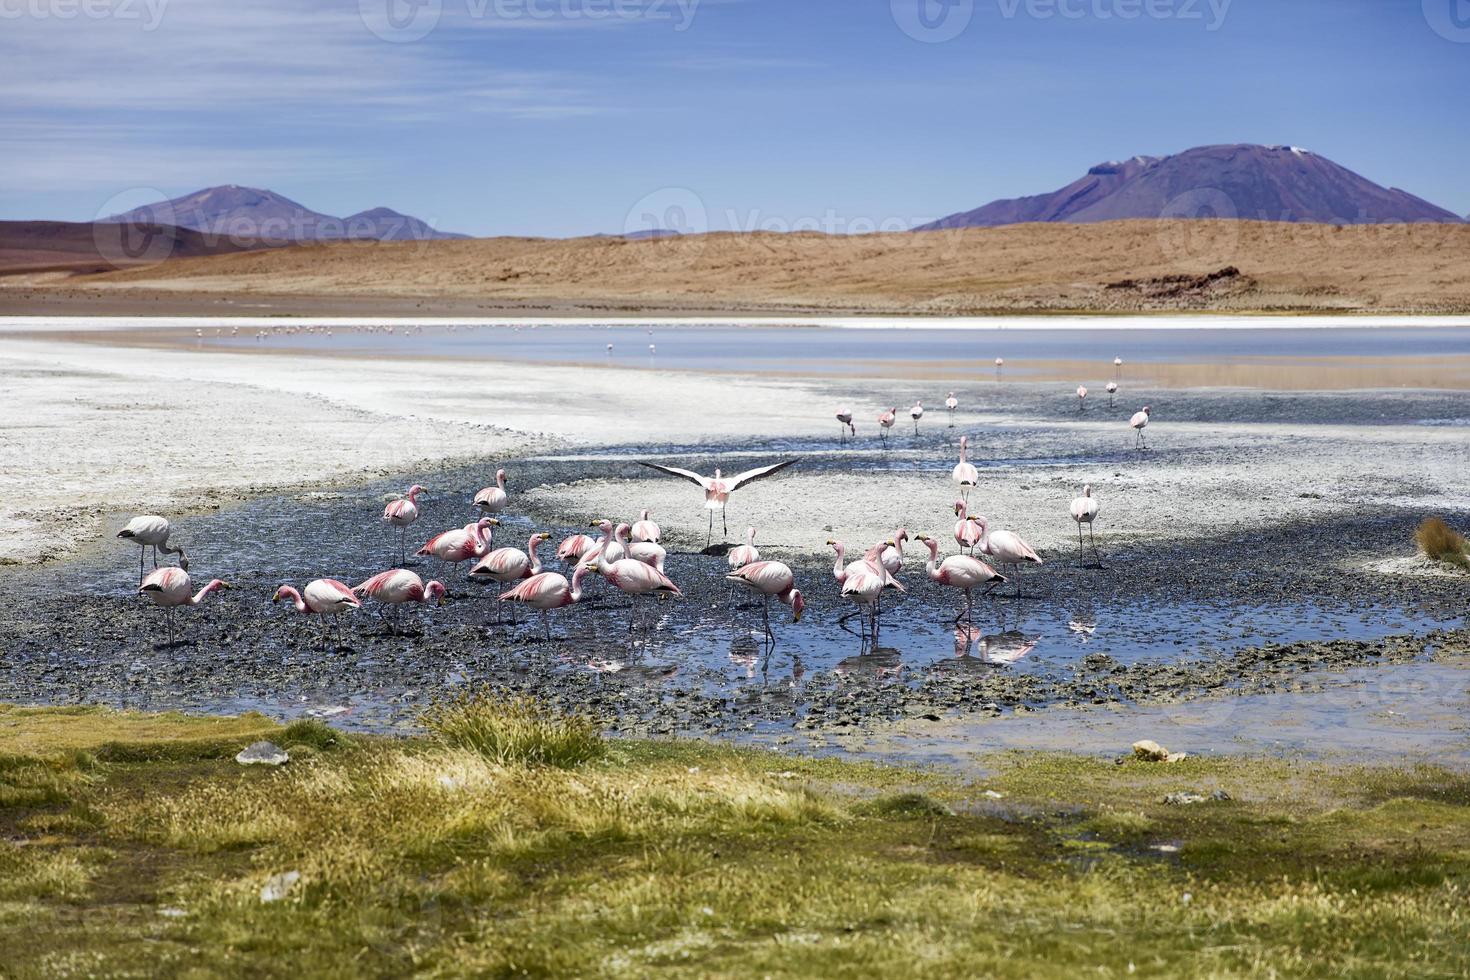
(250, 214)
(1261, 183)
(82, 247)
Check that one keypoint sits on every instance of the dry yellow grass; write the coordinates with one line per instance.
(1283, 267)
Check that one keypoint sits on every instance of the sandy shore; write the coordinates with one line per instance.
(98, 431)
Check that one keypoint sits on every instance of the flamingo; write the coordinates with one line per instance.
(402, 513)
(886, 421)
(323, 597)
(170, 587)
(1118, 366)
(916, 413)
(1081, 398)
(634, 578)
(771, 579)
(492, 500)
(717, 489)
(506, 565)
(574, 547)
(950, 404)
(891, 557)
(399, 586)
(869, 566)
(1007, 548)
(1000, 362)
(461, 544)
(1138, 423)
(646, 530)
(966, 532)
(1112, 389)
(645, 551)
(152, 531)
(964, 472)
(746, 553)
(844, 423)
(960, 572)
(548, 591)
(1084, 511)
(607, 548)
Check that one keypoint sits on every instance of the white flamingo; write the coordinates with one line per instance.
(950, 404)
(960, 572)
(493, 500)
(1007, 548)
(1084, 511)
(916, 413)
(152, 531)
(1112, 390)
(1081, 398)
(1138, 423)
(170, 588)
(323, 597)
(718, 488)
(964, 472)
(746, 553)
(844, 421)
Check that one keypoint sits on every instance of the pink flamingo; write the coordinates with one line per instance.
(771, 579)
(916, 413)
(891, 557)
(717, 489)
(886, 422)
(607, 548)
(746, 553)
(645, 551)
(323, 597)
(1081, 398)
(960, 572)
(634, 578)
(505, 565)
(844, 422)
(169, 588)
(1006, 548)
(402, 513)
(855, 574)
(548, 591)
(492, 500)
(461, 544)
(1138, 423)
(950, 404)
(152, 531)
(646, 530)
(574, 547)
(1112, 389)
(964, 472)
(398, 587)
(966, 532)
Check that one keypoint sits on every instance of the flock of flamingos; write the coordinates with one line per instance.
(630, 557)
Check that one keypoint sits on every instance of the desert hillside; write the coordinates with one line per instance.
(1111, 266)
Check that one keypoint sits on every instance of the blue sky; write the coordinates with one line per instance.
(563, 117)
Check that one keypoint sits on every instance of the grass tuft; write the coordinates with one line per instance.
(515, 730)
(1442, 543)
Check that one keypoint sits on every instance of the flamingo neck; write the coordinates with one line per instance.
(413, 496)
(500, 479)
(215, 586)
(837, 566)
(294, 596)
(577, 578)
(531, 547)
(933, 561)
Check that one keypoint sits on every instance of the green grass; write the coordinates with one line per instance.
(461, 853)
(513, 730)
(1442, 543)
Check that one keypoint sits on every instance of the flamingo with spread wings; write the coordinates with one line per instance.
(718, 488)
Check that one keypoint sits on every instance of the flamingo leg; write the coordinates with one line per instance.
(337, 622)
(710, 531)
(142, 553)
(546, 624)
(1080, 553)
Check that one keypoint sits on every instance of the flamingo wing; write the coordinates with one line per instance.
(760, 473)
(692, 477)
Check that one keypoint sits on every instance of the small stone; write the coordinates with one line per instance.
(1220, 794)
(1183, 799)
(993, 795)
(279, 886)
(171, 912)
(263, 754)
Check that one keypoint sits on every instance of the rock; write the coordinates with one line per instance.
(279, 886)
(1183, 799)
(1150, 751)
(991, 794)
(263, 754)
(1221, 795)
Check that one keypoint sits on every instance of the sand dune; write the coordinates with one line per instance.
(1114, 266)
